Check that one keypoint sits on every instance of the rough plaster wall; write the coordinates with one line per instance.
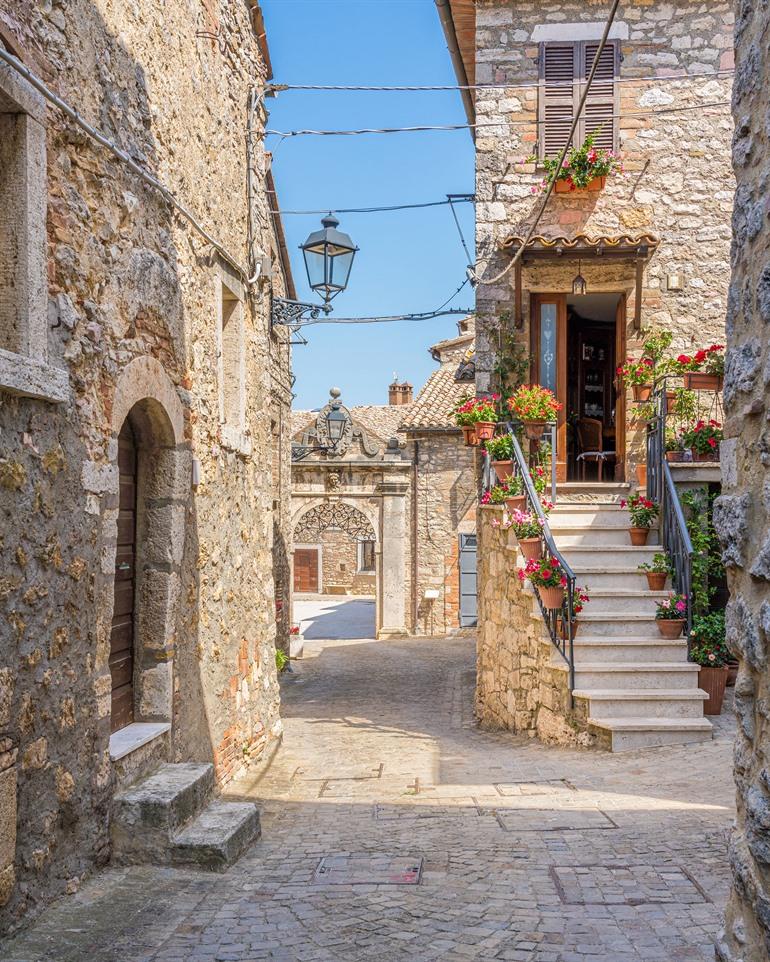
(679, 183)
(445, 503)
(743, 511)
(127, 280)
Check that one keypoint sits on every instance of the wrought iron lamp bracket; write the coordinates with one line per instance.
(293, 313)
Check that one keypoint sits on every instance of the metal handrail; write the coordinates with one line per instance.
(675, 537)
(564, 645)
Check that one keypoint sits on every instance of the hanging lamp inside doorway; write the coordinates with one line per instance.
(579, 285)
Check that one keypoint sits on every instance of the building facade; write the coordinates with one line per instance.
(652, 245)
(387, 511)
(144, 401)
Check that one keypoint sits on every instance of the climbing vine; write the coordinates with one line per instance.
(512, 362)
(706, 562)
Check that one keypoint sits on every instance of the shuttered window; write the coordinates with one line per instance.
(562, 64)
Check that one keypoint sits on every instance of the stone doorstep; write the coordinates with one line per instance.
(134, 736)
(168, 798)
(218, 836)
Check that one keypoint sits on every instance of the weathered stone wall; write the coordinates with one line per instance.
(444, 506)
(678, 183)
(520, 685)
(743, 511)
(339, 566)
(128, 281)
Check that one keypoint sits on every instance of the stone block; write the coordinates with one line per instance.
(7, 818)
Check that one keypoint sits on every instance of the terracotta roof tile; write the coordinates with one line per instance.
(442, 391)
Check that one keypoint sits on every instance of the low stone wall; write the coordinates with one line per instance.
(519, 685)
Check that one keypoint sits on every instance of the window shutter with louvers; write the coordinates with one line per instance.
(599, 114)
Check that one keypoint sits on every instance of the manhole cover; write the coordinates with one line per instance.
(626, 885)
(552, 820)
(368, 870)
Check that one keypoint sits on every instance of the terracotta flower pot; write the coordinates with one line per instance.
(641, 475)
(670, 627)
(563, 629)
(713, 682)
(503, 469)
(656, 580)
(534, 429)
(485, 430)
(469, 435)
(530, 548)
(639, 536)
(709, 458)
(517, 503)
(674, 457)
(551, 597)
(698, 381)
(567, 187)
(642, 392)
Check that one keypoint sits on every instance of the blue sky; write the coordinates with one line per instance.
(408, 260)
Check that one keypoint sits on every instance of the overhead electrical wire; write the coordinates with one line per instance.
(455, 199)
(411, 88)
(499, 123)
(420, 316)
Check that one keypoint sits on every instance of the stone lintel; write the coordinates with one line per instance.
(26, 377)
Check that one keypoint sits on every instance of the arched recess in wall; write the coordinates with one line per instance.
(153, 483)
(333, 514)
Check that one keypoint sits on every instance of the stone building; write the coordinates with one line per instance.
(744, 508)
(144, 419)
(653, 245)
(390, 510)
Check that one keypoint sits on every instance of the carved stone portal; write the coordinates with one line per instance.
(335, 514)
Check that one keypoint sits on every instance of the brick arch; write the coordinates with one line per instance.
(333, 514)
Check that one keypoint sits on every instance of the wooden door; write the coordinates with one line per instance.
(306, 569)
(123, 617)
(548, 342)
(620, 397)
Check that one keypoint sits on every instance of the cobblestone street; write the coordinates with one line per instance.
(485, 846)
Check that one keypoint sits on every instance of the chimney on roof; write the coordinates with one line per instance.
(399, 394)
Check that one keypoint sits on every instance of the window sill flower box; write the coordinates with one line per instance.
(699, 381)
(568, 187)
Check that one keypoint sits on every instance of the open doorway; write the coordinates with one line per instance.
(576, 343)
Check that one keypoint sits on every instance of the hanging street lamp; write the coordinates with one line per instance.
(579, 285)
(328, 255)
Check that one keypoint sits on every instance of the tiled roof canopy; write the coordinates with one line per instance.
(624, 244)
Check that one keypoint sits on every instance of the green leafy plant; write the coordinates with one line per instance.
(643, 511)
(684, 407)
(500, 447)
(655, 345)
(707, 639)
(512, 359)
(672, 608)
(710, 360)
(281, 659)
(581, 165)
(707, 558)
(532, 402)
(525, 524)
(674, 441)
(660, 563)
(704, 437)
(473, 409)
(640, 372)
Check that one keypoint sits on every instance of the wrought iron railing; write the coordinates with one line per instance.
(558, 622)
(674, 536)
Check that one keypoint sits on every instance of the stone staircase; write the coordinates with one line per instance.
(639, 688)
(171, 817)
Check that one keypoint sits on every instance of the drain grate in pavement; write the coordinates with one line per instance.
(626, 885)
(552, 819)
(369, 870)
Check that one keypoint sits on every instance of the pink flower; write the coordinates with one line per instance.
(681, 606)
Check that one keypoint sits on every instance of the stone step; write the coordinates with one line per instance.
(166, 799)
(579, 557)
(600, 577)
(569, 535)
(623, 650)
(589, 492)
(633, 733)
(218, 836)
(635, 623)
(616, 602)
(611, 515)
(607, 675)
(660, 703)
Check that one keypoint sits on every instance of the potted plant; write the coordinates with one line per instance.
(515, 499)
(500, 450)
(643, 513)
(657, 571)
(703, 439)
(709, 651)
(535, 406)
(671, 615)
(675, 446)
(528, 528)
(497, 494)
(585, 168)
(463, 413)
(547, 576)
(704, 370)
(479, 413)
(579, 600)
(639, 375)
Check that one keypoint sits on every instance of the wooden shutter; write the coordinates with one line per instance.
(600, 112)
(562, 64)
(558, 72)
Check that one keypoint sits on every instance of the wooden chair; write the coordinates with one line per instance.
(591, 444)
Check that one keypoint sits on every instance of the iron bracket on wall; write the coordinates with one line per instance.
(293, 313)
